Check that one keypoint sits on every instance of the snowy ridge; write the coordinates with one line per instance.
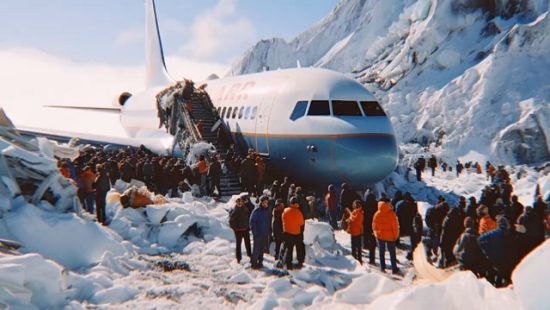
(460, 75)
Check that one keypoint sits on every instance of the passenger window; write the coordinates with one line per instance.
(372, 108)
(253, 113)
(299, 110)
(228, 115)
(247, 113)
(318, 107)
(235, 109)
(241, 112)
(345, 108)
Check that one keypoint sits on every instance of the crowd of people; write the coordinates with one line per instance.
(421, 164)
(487, 235)
(97, 169)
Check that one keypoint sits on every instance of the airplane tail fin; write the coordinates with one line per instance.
(156, 74)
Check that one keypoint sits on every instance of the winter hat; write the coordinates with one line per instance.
(330, 188)
(263, 198)
(293, 200)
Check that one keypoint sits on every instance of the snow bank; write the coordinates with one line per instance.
(65, 238)
(532, 278)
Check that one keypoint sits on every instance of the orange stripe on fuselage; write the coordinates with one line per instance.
(299, 136)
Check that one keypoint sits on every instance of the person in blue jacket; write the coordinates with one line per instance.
(260, 225)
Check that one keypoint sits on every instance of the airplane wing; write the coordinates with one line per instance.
(103, 109)
(90, 125)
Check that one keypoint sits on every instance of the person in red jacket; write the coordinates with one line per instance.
(355, 229)
(386, 229)
(293, 225)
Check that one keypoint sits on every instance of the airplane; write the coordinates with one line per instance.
(315, 126)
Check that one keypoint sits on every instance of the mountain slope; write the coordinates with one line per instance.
(459, 75)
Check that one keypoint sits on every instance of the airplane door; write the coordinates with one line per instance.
(262, 126)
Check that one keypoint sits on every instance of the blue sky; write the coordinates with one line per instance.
(111, 31)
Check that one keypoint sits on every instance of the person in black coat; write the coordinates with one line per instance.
(531, 228)
(277, 227)
(406, 209)
(239, 222)
(514, 210)
(370, 207)
(471, 210)
(501, 248)
(434, 221)
(467, 251)
(347, 197)
(452, 228)
(102, 185)
(215, 174)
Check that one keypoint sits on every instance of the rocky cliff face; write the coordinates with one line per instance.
(460, 75)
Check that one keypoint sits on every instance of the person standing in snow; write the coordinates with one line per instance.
(203, 172)
(88, 177)
(370, 207)
(277, 227)
(215, 174)
(501, 248)
(260, 225)
(331, 205)
(293, 227)
(432, 163)
(386, 229)
(486, 222)
(355, 229)
(102, 185)
(459, 167)
(467, 251)
(452, 228)
(418, 167)
(239, 222)
(405, 210)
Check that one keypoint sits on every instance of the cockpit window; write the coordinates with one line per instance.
(234, 114)
(372, 108)
(345, 108)
(299, 110)
(247, 113)
(253, 113)
(318, 107)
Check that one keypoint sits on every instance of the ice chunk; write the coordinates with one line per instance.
(114, 295)
(366, 289)
(156, 213)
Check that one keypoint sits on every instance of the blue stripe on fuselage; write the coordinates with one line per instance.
(356, 159)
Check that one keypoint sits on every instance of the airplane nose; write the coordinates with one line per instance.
(364, 159)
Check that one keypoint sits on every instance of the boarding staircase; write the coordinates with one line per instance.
(204, 111)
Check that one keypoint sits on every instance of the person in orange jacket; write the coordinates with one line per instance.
(203, 172)
(355, 229)
(293, 225)
(486, 222)
(88, 178)
(386, 230)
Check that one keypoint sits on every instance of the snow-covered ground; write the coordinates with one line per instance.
(181, 254)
